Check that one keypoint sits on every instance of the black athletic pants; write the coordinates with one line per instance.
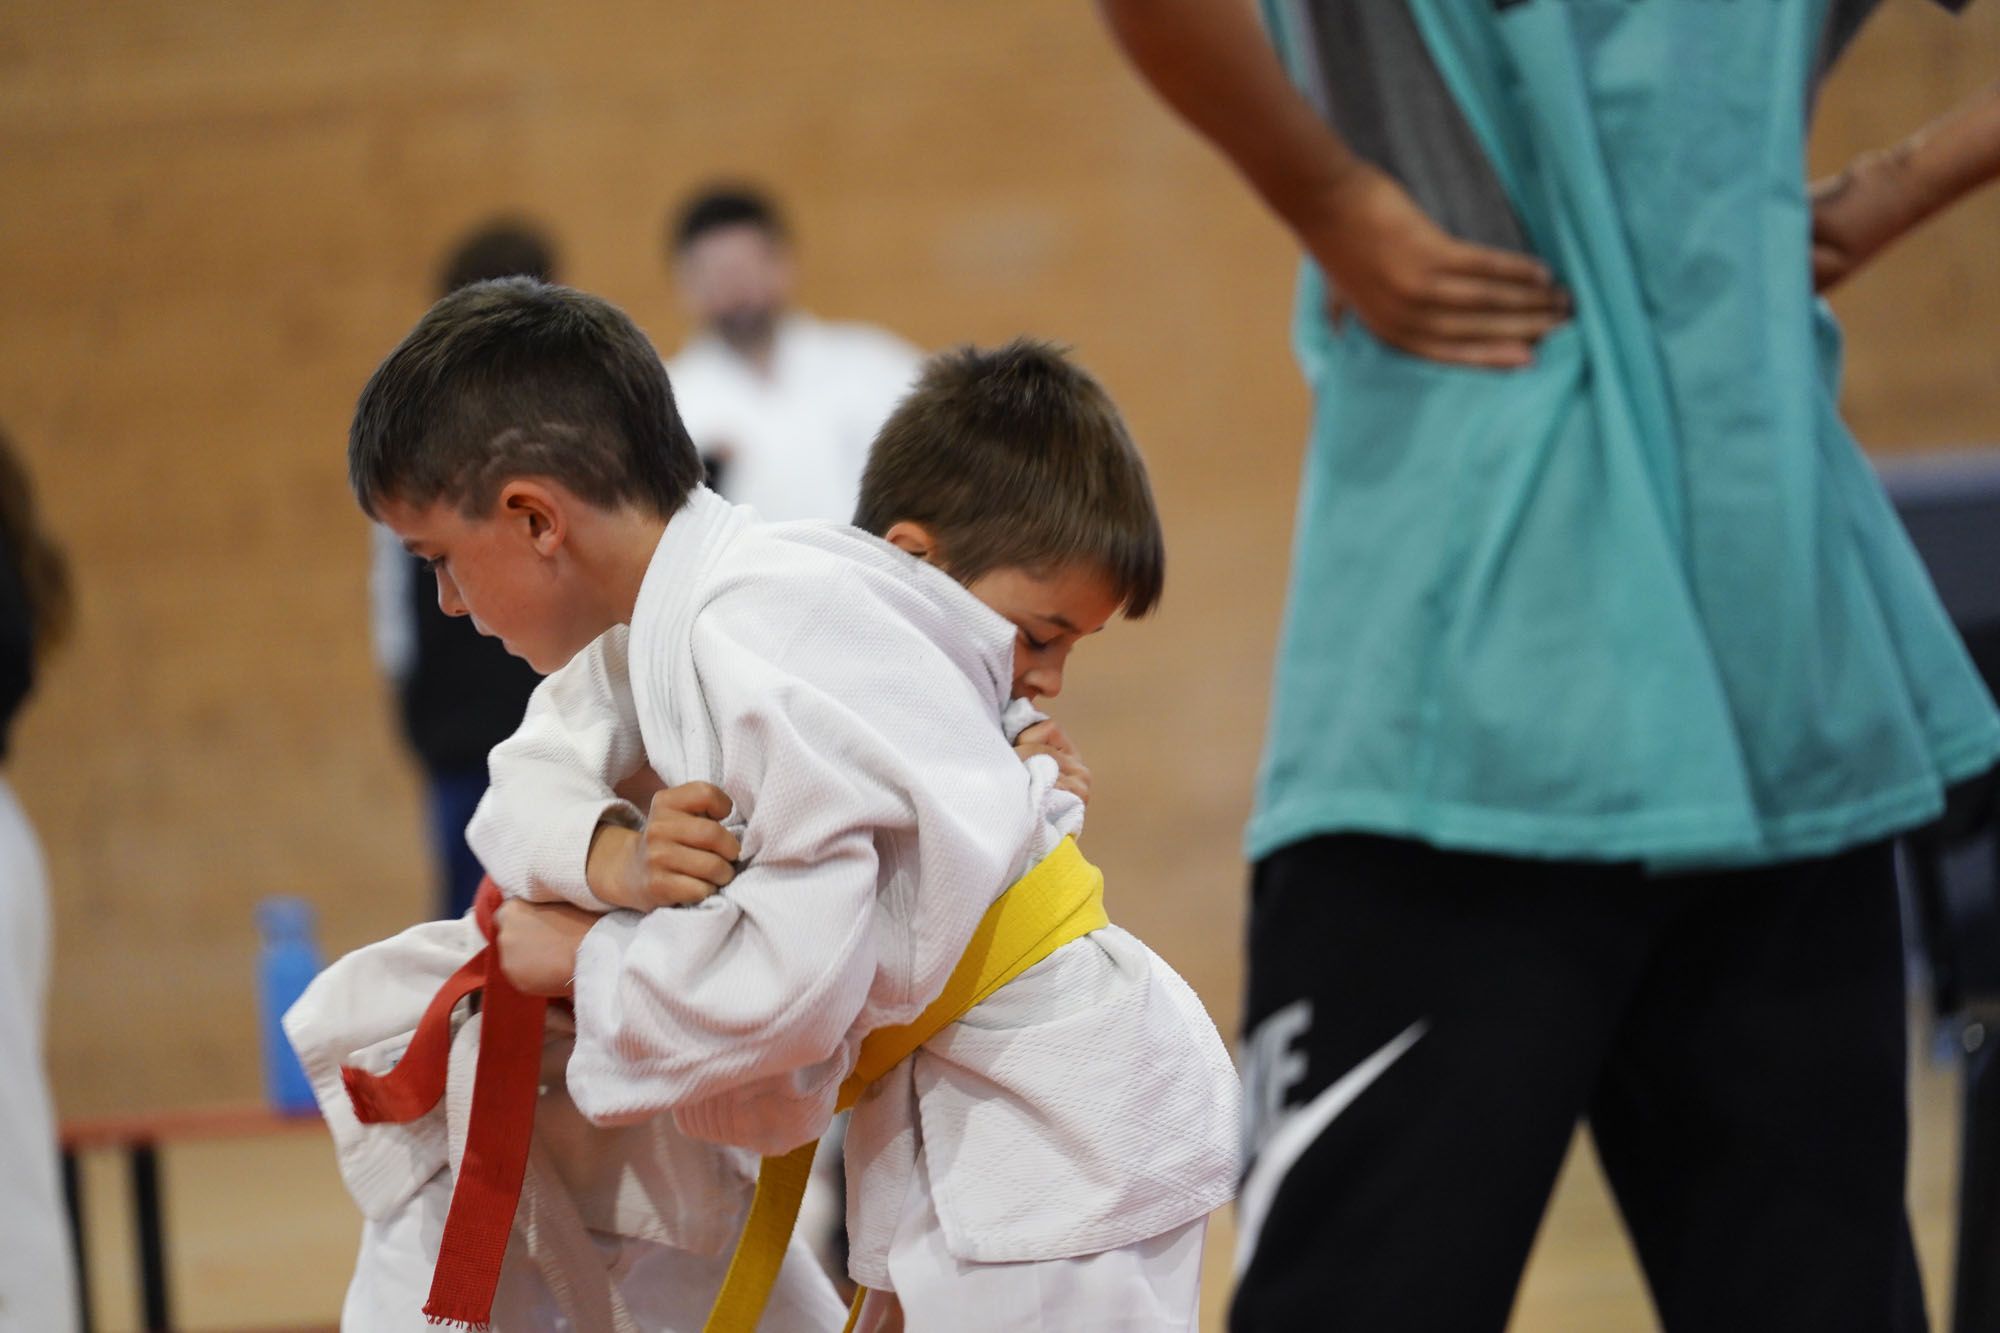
(1425, 1029)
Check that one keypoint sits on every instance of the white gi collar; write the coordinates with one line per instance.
(698, 534)
(694, 536)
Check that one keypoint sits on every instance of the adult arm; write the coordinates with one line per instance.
(1414, 285)
(1882, 195)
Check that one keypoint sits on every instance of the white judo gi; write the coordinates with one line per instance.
(37, 1283)
(621, 1230)
(848, 699)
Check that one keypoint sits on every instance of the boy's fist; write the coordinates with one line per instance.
(681, 856)
(1048, 738)
(538, 944)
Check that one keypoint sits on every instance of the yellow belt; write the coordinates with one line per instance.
(1060, 900)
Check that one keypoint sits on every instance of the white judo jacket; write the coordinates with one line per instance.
(643, 1181)
(848, 698)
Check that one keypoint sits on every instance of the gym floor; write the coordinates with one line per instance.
(262, 1236)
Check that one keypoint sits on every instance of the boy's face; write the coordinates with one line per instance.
(505, 571)
(1051, 611)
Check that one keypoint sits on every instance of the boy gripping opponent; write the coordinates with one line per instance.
(627, 1228)
(1051, 1155)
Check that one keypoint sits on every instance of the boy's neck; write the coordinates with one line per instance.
(627, 543)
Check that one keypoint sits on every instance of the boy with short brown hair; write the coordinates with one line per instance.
(1052, 1153)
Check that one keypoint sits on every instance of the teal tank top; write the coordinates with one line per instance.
(1645, 599)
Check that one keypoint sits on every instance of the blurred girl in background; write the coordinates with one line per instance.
(37, 1288)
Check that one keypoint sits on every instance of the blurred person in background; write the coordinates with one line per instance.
(1607, 673)
(459, 693)
(37, 1283)
(783, 406)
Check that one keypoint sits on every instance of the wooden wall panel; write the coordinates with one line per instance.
(216, 216)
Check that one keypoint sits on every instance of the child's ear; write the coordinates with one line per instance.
(914, 538)
(539, 511)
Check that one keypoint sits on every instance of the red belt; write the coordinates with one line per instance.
(504, 1086)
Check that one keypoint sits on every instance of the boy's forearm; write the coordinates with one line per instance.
(1211, 61)
(680, 1008)
(539, 840)
(612, 848)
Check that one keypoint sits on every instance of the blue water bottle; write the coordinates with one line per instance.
(287, 964)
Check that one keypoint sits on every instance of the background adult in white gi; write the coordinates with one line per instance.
(781, 405)
(37, 1286)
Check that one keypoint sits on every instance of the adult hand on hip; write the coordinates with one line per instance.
(1422, 290)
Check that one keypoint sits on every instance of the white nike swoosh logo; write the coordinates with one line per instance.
(1298, 1133)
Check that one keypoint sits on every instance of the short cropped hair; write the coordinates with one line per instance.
(1017, 458)
(518, 378)
(724, 205)
(503, 248)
